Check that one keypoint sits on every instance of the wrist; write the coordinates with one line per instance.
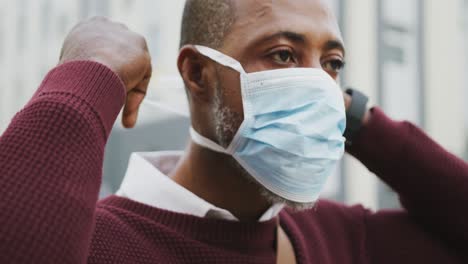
(367, 115)
(347, 100)
(93, 83)
(357, 113)
(366, 118)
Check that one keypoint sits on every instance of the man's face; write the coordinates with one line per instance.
(266, 35)
(274, 34)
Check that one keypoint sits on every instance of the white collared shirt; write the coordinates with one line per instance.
(146, 182)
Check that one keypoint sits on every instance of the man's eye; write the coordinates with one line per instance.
(334, 66)
(283, 57)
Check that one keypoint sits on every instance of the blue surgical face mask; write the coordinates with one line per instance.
(291, 139)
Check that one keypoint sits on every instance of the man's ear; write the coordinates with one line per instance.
(191, 66)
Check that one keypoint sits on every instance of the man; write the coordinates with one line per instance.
(213, 205)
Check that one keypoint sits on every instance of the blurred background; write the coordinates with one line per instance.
(408, 55)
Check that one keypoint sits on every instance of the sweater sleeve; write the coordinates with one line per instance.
(431, 182)
(50, 165)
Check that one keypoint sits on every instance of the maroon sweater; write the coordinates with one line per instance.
(50, 172)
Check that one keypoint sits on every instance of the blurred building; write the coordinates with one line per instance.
(32, 32)
(408, 55)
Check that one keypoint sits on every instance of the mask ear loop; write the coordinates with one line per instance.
(221, 58)
(229, 62)
(206, 142)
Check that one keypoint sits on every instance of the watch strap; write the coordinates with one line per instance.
(354, 114)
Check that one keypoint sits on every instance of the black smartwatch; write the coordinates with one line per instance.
(354, 114)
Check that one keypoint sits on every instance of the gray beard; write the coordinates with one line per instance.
(227, 123)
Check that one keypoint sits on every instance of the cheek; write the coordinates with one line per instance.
(231, 92)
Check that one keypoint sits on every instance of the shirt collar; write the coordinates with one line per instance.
(146, 182)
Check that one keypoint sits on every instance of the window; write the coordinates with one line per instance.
(401, 68)
(21, 22)
(102, 7)
(2, 36)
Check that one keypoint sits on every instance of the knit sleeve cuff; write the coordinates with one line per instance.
(381, 142)
(93, 83)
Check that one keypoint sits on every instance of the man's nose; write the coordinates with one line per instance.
(312, 62)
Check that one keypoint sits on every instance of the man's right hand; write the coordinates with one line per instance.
(123, 51)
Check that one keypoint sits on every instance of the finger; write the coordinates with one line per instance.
(122, 25)
(149, 71)
(138, 73)
(142, 87)
(145, 44)
(134, 99)
(130, 112)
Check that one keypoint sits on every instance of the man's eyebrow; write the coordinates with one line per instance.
(335, 44)
(297, 37)
(292, 36)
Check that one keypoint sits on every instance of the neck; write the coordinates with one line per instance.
(213, 177)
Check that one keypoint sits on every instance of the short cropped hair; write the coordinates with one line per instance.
(206, 22)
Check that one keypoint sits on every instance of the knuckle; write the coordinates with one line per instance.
(122, 25)
(143, 42)
(140, 39)
(148, 58)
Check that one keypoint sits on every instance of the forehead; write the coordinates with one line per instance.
(258, 18)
